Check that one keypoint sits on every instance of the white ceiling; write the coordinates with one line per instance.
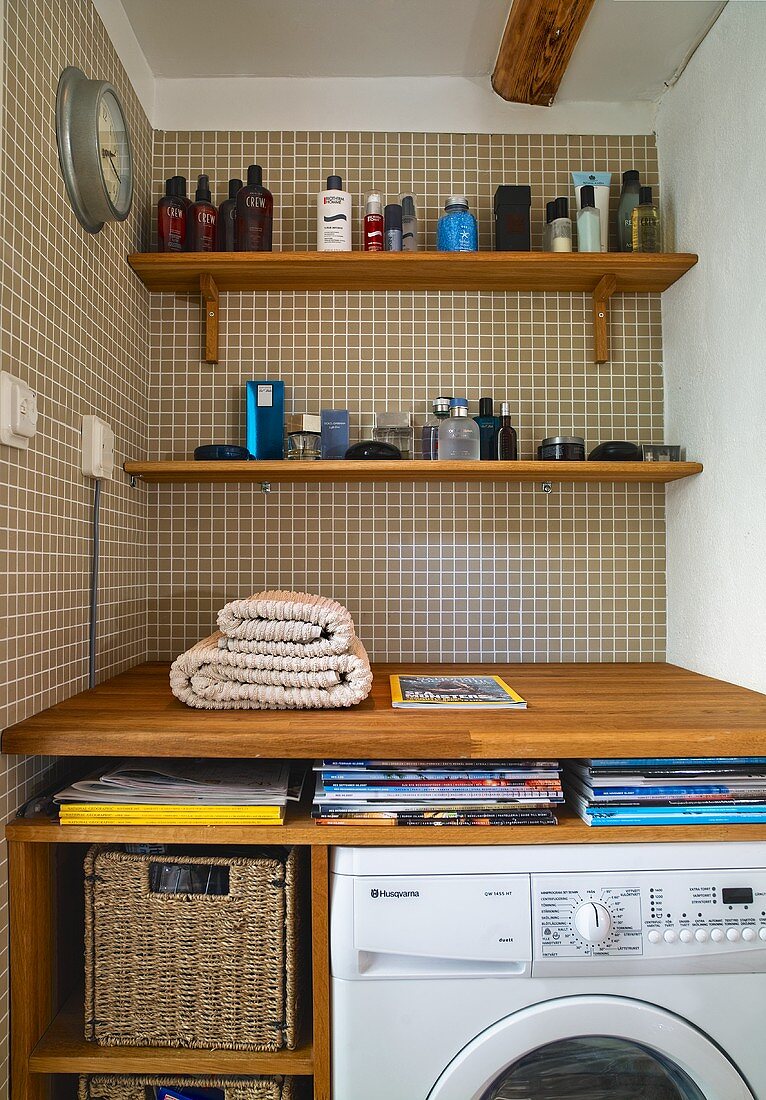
(628, 49)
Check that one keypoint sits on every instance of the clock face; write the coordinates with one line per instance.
(113, 148)
(94, 150)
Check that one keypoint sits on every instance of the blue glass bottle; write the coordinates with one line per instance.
(456, 231)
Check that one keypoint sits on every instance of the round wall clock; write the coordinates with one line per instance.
(94, 149)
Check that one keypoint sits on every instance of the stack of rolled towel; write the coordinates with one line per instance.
(276, 651)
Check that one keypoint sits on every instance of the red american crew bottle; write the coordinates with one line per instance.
(171, 219)
(202, 219)
(255, 214)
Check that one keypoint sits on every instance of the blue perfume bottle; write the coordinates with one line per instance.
(456, 230)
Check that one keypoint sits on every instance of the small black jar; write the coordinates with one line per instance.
(566, 448)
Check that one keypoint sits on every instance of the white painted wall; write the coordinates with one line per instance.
(129, 52)
(438, 104)
(710, 131)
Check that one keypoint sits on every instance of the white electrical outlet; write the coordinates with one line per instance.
(97, 448)
(18, 412)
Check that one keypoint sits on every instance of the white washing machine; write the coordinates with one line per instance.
(627, 972)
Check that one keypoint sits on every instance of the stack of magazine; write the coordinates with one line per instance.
(437, 792)
(180, 792)
(678, 791)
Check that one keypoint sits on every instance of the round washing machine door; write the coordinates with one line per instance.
(591, 1048)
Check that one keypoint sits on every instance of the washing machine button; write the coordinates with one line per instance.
(701, 935)
(749, 934)
(656, 937)
(732, 934)
(762, 933)
(717, 935)
(670, 935)
(686, 935)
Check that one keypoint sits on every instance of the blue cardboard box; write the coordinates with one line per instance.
(266, 419)
(334, 433)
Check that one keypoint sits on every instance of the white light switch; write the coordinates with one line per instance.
(97, 448)
(18, 411)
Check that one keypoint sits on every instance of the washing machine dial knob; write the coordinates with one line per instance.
(593, 921)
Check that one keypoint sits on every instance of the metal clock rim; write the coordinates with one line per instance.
(70, 80)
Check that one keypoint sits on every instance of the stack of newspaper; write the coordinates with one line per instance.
(437, 792)
(180, 792)
(677, 791)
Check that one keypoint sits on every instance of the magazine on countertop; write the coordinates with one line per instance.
(459, 692)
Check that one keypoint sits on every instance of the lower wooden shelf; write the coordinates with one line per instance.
(63, 1049)
(349, 471)
(300, 829)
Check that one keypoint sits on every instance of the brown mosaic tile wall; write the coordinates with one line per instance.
(463, 572)
(73, 324)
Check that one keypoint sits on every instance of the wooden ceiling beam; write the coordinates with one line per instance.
(537, 45)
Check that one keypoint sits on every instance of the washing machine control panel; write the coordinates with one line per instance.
(650, 916)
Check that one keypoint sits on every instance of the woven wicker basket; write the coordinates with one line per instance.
(143, 1088)
(192, 970)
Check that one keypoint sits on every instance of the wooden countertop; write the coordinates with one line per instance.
(574, 710)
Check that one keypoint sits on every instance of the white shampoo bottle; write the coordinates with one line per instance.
(334, 217)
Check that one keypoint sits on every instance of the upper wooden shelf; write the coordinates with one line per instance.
(574, 710)
(185, 472)
(601, 274)
(573, 271)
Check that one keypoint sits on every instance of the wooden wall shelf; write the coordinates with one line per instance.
(601, 274)
(313, 271)
(649, 709)
(63, 1049)
(188, 473)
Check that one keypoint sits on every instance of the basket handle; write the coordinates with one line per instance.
(207, 879)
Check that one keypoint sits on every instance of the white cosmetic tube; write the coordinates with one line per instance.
(600, 182)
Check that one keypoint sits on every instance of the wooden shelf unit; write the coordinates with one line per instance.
(574, 710)
(300, 829)
(64, 1049)
(578, 709)
(267, 473)
(600, 274)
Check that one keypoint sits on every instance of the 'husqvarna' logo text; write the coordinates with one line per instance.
(375, 893)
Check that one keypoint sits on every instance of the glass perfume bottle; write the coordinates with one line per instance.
(629, 199)
(489, 426)
(507, 445)
(459, 435)
(429, 447)
(647, 236)
(395, 428)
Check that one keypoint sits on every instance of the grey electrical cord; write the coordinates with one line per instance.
(94, 584)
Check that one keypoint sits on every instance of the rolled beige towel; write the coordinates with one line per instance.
(286, 624)
(211, 678)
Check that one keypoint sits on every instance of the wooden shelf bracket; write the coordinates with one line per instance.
(604, 290)
(210, 304)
